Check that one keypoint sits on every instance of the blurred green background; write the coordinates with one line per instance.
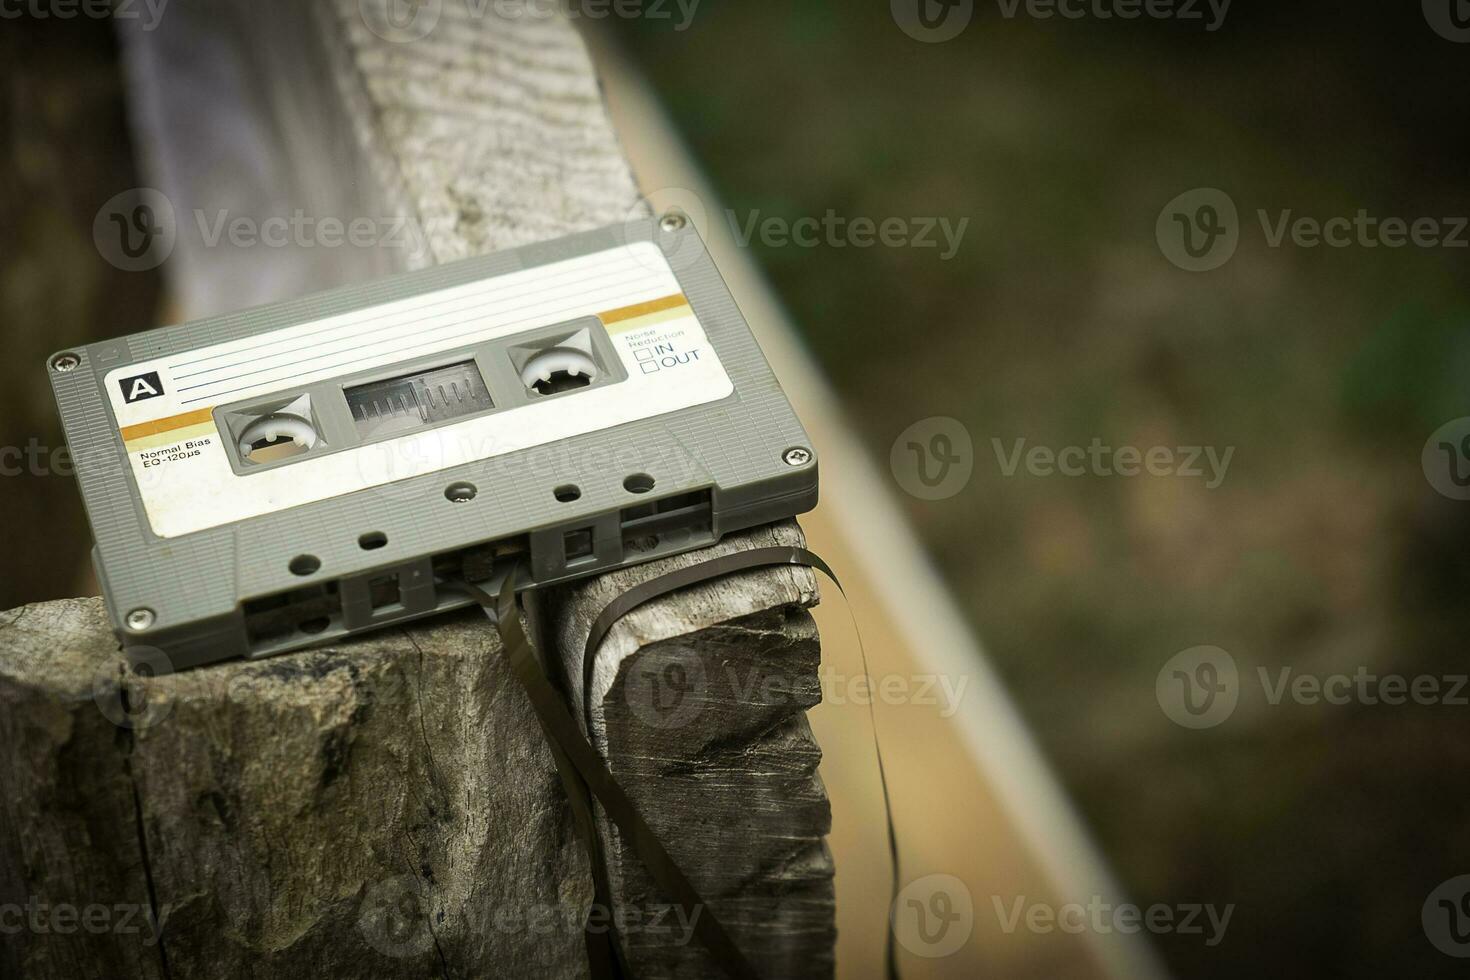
(1059, 320)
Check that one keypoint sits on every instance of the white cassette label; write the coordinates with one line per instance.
(179, 460)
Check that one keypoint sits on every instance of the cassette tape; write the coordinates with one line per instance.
(285, 475)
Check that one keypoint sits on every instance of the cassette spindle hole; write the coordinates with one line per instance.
(559, 369)
(276, 437)
(638, 483)
(305, 565)
(567, 493)
(372, 540)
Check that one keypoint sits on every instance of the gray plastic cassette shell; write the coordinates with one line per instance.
(196, 585)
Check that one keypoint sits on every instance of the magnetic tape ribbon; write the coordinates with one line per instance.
(586, 776)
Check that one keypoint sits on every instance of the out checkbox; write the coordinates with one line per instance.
(649, 367)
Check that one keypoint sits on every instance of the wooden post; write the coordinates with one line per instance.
(699, 703)
(387, 807)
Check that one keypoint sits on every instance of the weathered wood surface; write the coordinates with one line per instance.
(375, 809)
(699, 705)
(386, 807)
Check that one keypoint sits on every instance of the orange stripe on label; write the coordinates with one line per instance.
(643, 309)
(131, 432)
